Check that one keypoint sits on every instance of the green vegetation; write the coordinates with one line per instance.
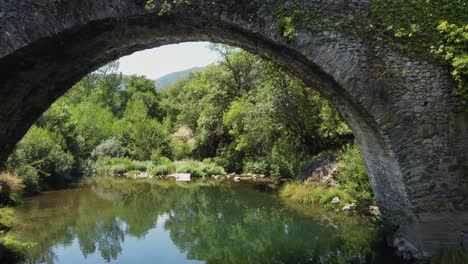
(428, 30)
(353, 185)
(243, 114)
(10, 194)
(424, 29)
(162, 167)
(248, 115)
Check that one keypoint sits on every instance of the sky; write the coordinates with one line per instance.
(157, 62)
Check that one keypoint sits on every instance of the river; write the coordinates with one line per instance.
(148, 224)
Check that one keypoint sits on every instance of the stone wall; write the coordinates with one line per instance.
(411, 129)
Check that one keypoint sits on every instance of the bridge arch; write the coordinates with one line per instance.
(410, 128)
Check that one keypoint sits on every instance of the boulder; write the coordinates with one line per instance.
(349, 207)
(374, 210)
(336, 200)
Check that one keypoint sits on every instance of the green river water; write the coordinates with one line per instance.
(148, 224)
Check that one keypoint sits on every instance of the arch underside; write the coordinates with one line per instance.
(405, 172)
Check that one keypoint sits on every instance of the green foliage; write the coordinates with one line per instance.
(453, 48)
(314, 193)
(210, 169)
(118, 166)
(199, 169)
(119, 169)
(418, 27)
(143, 134)
(31, 179)
(286, 27)
(110, 147)
(7, 216)
(259, 166)
(40, 153)
(161, 170)
(354, 185)
(352, 176)
(182, 149)
(16, 249)
(11, 187)
(304, 193)
(250, 115)
(331, 193)
(158, 159)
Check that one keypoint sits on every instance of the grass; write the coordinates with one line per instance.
(116, 166)
(108, 182)
(11, 187)
(15, 249)
(119, 166)
(313, 193)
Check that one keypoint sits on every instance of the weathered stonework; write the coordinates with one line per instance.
(412, 130)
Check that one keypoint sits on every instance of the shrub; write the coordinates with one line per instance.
(6, 218)
(15, 248)
(107, 166)
(42, 150)
(259, 166)
(187, 168)
(182, 149)
(31, 179)
(10, 189)
(161, 170)
(353, 178)
(138, 165)
(110, 147)
(119, 169)
(210, 169)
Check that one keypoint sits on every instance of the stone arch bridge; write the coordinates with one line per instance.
(411, 129)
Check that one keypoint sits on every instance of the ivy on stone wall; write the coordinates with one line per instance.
(425, 29)
(428, 30)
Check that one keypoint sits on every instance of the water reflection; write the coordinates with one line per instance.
(143, 224)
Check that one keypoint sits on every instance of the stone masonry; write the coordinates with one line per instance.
(411, 129)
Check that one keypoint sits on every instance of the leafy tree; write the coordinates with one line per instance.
(41, 154)
(110, 148)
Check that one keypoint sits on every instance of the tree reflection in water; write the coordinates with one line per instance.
(214, 225)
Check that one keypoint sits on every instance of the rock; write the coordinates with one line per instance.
(349, 207)
(237, 178)
(405, 248)
(336, 200)
(374, 210)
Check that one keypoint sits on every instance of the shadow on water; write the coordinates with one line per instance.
(147, 224)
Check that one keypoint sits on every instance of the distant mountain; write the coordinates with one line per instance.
(163, 82)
